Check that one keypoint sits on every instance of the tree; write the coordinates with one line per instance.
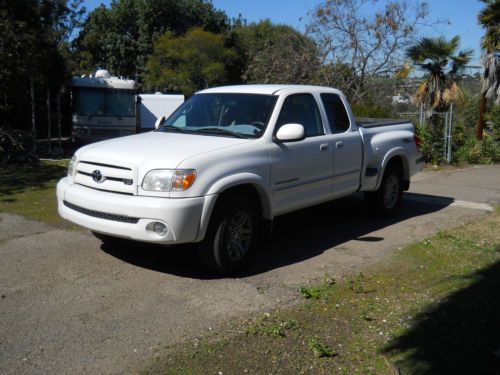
(368, 38)
(270, 53)
(489, 18)
(33, 38)
(441, 64)
(121, 37)
(188, 63)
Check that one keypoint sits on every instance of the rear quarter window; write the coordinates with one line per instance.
(336, 113)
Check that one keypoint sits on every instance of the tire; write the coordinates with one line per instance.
(386, 201)
(231, 237)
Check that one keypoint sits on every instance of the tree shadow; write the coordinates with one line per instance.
(15, 179)
(296, 237)
(460, 335)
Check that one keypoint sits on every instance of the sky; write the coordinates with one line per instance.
(458, 16)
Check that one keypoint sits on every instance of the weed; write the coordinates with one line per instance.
(310, 292)
(368, 313)
(320, 349)
(267, 326)
(357, 283)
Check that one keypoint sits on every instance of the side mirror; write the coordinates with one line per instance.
(158, 122)
(290, 133)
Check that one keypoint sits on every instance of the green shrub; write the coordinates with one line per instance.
(493, 121)
(370, 109)
(473, 151)
(432, 144)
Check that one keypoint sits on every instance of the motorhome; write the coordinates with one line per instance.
(105, 106)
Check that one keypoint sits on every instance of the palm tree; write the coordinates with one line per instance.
(441, 65)
(489, 18)
(438, 59)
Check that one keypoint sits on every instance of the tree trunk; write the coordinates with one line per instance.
(480, 123)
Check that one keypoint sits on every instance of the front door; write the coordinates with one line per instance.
(301, 172)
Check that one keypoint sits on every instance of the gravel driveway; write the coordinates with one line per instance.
(72, 305)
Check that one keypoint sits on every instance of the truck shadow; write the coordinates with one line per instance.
(459, 335)
(297, 236)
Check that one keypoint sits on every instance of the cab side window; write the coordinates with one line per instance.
(301, 109)
(336, 113)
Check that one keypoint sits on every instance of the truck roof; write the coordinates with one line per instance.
(267, 89)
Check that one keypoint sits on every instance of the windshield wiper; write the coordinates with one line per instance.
(174, 128)
(221, 131)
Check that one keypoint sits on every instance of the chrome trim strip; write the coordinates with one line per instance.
(311, 181)
(346, 173)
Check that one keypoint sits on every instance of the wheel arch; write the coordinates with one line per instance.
(399, 157)
(247, 184)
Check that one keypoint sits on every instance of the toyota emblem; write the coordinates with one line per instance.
(97, 176)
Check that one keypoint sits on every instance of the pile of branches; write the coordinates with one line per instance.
(16, 146)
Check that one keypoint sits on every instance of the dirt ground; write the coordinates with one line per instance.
(69, 304)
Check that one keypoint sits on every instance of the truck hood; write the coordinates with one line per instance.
(154, 150)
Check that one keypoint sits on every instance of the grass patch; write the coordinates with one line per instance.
(271, 326)
(432, 308)
(320, 349)
(30, 190)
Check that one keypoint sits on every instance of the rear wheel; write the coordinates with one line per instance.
(386, 201)
(231, 235)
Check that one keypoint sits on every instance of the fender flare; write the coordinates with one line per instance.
(395, 152)
(229, 182)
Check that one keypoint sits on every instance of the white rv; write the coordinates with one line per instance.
(106, 107)
(103, 107)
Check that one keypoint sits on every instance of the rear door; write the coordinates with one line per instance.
(347, 146)
(301, 172)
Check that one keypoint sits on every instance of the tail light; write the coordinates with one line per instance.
(418, 142)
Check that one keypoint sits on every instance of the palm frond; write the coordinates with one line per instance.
(460, 61)
(489, 18)
(491, 77)
(490, 15)
(432, 49)
(404, 71)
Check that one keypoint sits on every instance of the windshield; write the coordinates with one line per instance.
(103, 102)
(243, 115)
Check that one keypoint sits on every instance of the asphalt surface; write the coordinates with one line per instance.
(69, 304)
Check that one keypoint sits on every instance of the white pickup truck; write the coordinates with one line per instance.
(231, 159)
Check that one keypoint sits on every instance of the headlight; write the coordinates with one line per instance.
(71, 166)
(169, 180)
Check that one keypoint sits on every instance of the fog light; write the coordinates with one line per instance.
(160, 229)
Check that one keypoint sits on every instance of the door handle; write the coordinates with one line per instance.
(339, 144)
(323, 147)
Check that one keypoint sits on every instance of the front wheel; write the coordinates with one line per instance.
(386, 201)
(231, 236)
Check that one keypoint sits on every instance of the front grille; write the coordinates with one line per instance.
(112, 178)
(126, 181)
(105, 165)
(102, 215)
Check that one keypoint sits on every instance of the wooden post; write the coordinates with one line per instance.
(49, 123)
(33, 121)
(59, 141)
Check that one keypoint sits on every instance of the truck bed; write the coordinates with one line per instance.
(368, 122)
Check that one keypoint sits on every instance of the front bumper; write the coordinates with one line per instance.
(182, 216)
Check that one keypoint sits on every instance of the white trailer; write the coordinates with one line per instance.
(151, 107)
